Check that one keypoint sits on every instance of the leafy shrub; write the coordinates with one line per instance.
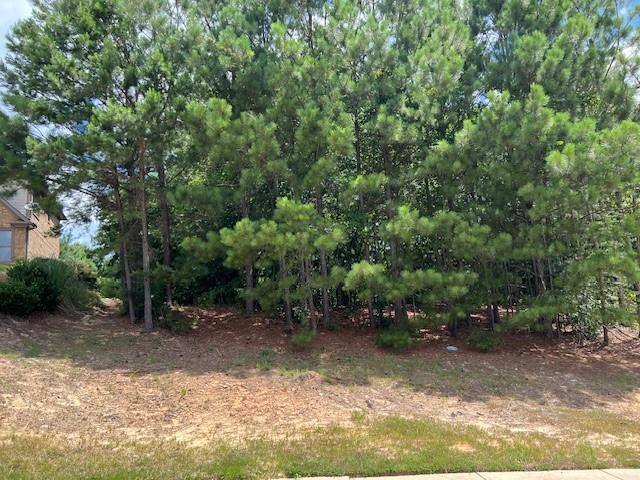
(420, 322)
(38, 275)
(55, 282)
(78, 256)
(110, 287)
(174, 321)
(219, 295)
(86, 275)
(18, 299)
(485, 341)
(302, 339)
(395, 339)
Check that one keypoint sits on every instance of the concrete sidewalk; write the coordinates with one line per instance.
(608, 474)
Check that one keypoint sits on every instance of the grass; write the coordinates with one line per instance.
(365, 444)
(265, 360)
(391, 445)
(599, 422)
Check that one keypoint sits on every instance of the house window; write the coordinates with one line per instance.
(6, 245)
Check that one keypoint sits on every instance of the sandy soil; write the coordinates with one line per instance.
(237, 377)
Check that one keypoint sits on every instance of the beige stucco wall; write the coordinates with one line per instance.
(31, 242)
(7, 218)
(20, 243)
(42, 242)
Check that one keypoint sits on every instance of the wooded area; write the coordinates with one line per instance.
(433, 157)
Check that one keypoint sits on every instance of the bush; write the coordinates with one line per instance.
(174, 321)
(55, 282)
(395, 339)
(110, 287)
(78, 256)
(485, 341)
(86, 275)
(420, 322)
(37, 274)
(18, 299)
(302, 339)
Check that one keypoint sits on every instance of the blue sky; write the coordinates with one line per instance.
(12, 11)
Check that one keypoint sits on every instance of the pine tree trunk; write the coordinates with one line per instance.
(621, 300)
(603, 309)
(541, 288)
(313, 324)
(429, 198)
(248, 268)
(367, 256)
(490, 317)
(248, 281)
(326, 314)
(285, 294)
(165, 229)
(398, 310)
(124, 254)
(146, 250)
(637, 290)
(496, 313)
(637, 287)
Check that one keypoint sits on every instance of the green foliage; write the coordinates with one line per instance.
(45, 277)
(55, 282)
(287, 245)
(394, 338)
(302, 339)
(367, 279)
(16, 298)
(174, 321)
(79, 256)
(485, 341)
(109, 287)
(286, 152)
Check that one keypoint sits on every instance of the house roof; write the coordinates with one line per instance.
(21, 216)
(51, 208)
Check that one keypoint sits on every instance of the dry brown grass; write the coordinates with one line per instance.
(234, 379)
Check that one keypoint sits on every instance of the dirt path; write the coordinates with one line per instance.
(237, 377)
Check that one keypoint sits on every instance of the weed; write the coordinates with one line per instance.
(485, 341)
(302, 339)
(358, 417)
(395, 339)
(265, 360)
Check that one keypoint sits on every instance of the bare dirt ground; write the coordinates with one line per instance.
(237, 377)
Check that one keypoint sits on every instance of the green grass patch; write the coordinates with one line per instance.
(389, 446)
(265, 360)
(599, 422)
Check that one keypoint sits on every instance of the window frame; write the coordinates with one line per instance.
(11, 246)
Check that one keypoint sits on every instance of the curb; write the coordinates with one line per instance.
(606, 474)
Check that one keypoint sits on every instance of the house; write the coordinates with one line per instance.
(26, 231)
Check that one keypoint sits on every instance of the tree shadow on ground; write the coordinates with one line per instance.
(528, 369)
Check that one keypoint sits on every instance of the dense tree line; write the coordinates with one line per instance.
(436, 156)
